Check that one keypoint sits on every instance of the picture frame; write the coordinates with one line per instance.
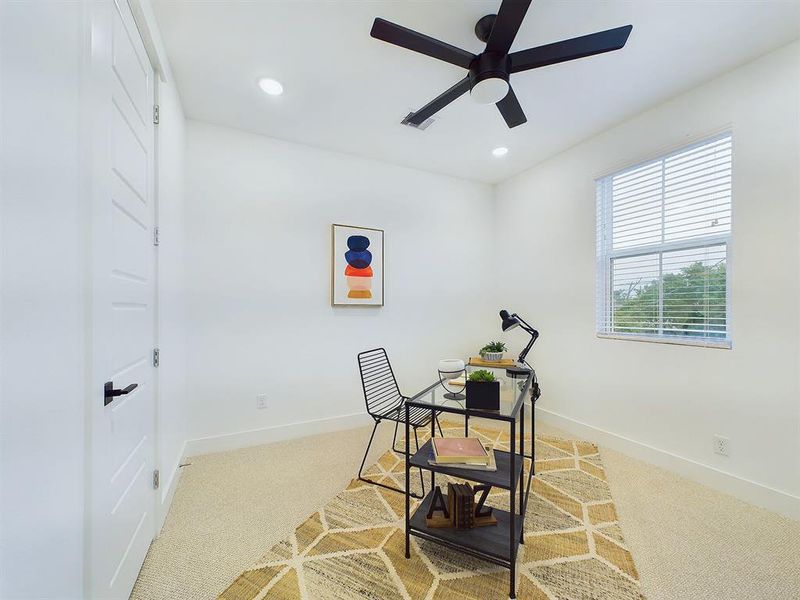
(357, 265)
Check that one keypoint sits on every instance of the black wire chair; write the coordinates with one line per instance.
(386, 403)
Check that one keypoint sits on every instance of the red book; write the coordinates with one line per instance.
(459, 450)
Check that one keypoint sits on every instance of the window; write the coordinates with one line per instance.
(663, 230)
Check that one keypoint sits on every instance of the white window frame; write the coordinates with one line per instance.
(605, 256)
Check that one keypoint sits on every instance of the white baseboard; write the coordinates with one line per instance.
(255, 437)
(745, 489)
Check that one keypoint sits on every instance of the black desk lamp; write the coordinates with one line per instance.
(510, 321)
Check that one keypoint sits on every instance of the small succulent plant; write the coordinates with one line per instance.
(493, 347)
(482, 376)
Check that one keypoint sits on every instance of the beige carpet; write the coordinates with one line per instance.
(353, 547)
(690, 542)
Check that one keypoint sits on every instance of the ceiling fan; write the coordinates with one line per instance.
(489, 72)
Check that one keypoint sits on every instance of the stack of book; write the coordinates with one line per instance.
(461, 504)
(462, 453)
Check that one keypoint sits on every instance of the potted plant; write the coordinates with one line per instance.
(483, 390)
(493, 351)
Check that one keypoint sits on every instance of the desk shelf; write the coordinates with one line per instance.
(499, 479)
(490, 542)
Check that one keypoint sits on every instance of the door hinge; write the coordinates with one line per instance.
(155, 114)
(156, 479)
(156, 357)
(156, 238)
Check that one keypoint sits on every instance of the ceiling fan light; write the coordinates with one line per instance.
(489, 91)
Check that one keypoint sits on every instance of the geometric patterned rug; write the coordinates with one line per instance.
(354, 547)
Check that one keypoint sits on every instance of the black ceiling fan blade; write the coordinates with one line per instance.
(509, 18)
(438, 103)
(511, 110)
(579, 47)
(419, 42)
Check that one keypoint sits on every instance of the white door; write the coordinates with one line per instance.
(122, 454)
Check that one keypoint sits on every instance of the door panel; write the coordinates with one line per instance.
(129, 68)
(128, 232)
(130, 157)
(122, 515)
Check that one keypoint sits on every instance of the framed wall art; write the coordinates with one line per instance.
(356, 266)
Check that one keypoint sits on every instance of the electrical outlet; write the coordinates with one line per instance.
(722, 445)
(261, 401)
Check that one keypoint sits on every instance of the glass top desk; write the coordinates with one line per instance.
(499, 543)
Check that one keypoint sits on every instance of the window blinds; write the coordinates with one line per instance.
(663, 230)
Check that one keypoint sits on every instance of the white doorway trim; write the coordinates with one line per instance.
(147, 25)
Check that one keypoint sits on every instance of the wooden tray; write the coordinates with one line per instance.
(477, 361)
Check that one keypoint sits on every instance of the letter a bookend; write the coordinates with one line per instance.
(438, 504)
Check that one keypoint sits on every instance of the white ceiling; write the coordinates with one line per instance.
(346, 91)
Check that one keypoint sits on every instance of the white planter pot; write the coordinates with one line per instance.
(493, 356)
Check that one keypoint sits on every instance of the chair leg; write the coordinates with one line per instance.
(383, 485)
(394, 439)
(363, 460)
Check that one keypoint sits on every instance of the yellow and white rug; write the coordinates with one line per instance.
(353, 547)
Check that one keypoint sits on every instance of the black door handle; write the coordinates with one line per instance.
(111, 393)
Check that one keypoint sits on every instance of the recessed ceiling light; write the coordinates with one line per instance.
(270, 86)
(501, 151)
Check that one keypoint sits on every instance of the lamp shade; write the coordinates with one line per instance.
(509, 321)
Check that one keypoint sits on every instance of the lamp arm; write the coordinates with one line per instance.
(524, 353)
(528, 327)
(534, 336)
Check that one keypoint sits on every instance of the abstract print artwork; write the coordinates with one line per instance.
(357, 266)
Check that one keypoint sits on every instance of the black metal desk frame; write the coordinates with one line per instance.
(497, 544)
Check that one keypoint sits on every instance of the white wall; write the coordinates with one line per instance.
(258, 218)
(660, 401)
(42, 302)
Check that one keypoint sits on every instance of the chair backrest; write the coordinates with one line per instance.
(378, 382)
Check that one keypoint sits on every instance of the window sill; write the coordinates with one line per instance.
(675, 341)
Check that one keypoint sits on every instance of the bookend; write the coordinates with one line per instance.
(438, 503)
(459, 508)
(479, 512)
